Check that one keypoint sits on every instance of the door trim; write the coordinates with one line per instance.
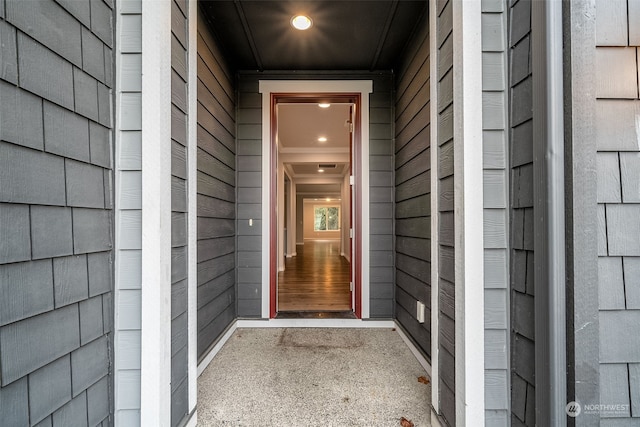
(278, 89)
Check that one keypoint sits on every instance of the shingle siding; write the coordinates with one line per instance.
(616, 109)
(216, 188)
(55, 217)
(520, 234)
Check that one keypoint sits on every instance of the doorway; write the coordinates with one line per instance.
(356, 93)
(313, 147)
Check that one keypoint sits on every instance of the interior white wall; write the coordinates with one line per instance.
(291, 223)
(345, 197)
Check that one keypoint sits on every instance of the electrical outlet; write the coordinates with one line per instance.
(420, 312)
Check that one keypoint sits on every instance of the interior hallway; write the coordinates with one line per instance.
(317, 279)
(313, 377)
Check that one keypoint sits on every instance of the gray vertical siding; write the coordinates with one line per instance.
(216, 191)
(446, 362)
(412, 189)
(521, 216)
(56, 205)
(179, 184)
(618, 196)
(249, 163)
(495, 155)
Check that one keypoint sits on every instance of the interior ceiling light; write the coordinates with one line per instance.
(322, 139)
(301, 22)
(320, 170)
(324, 105)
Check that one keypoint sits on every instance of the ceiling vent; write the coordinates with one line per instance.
(327, 166)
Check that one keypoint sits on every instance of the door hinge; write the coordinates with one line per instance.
(351, 180)
(351, 286)
(351, 233)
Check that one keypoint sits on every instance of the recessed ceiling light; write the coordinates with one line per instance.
(301, 22)
(324, 105)
(322, 139)
(320, 170)
(328, 199)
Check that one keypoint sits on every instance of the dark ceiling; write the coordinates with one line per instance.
(346, 35)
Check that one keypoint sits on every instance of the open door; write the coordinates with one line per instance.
(352, 101)
(350, 231)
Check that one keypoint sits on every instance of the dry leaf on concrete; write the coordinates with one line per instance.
(423, 380)
(405, 422)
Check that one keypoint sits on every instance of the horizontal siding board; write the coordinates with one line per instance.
(412, 161)
(211, 269)
(209, 207)
(414, 287)
(213, 330)
(214, 248)
(211, 289)
(413, 187)
(212, 228)
(419, 335)
(211, 102)
(215, 168)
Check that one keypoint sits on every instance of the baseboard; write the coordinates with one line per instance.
(315, 323)
(417, 353)
(193, 420)
(216, 348)
(435, 419)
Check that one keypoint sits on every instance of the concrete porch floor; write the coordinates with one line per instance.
(313, 377)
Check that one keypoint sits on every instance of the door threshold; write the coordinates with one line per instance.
(316, 315)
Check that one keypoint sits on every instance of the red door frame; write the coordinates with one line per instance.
(354, 98)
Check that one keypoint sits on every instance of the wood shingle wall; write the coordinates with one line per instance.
(56, 200)
(618, 195)
(521, 211)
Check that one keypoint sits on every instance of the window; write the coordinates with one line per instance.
(326, 218)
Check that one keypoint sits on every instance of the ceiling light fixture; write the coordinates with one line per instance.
(301, 22)
(320, 170)
(322, 139)
(324, 105)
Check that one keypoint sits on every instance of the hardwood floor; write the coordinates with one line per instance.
(317, 279)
